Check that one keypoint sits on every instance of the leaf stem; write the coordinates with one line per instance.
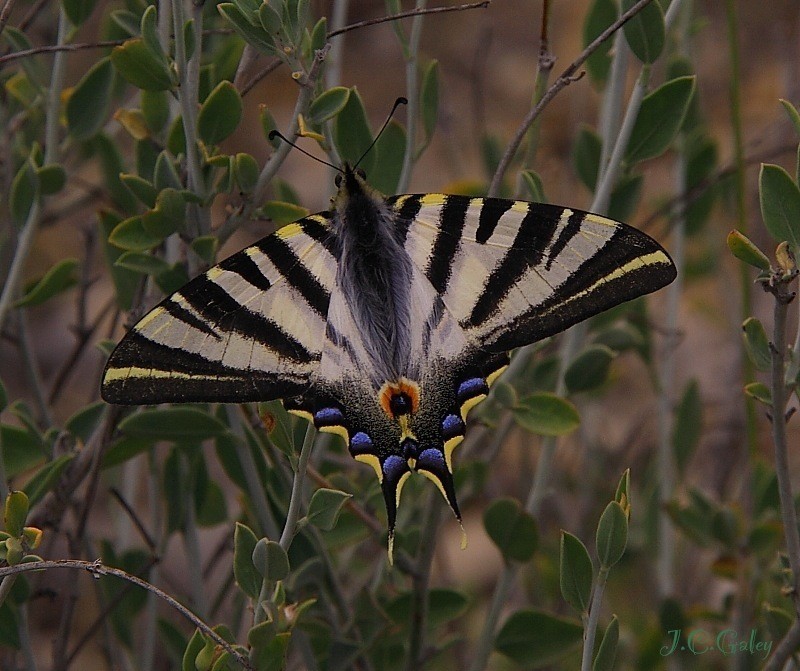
(590, 632)
(412, 95)
(290, 527)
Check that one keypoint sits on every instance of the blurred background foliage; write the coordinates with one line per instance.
(617, 487)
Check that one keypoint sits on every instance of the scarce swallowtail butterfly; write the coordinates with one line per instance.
(384, 320)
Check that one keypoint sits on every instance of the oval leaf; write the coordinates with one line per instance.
(24, 191)
(604, 661)
(645, 32)
(535, 639)
(780, 204)
(351, 133)
(281, 212)
(328, 104)
(220, 114)
(660, 118)
(547, 414)
(270, 560)
(600, 16)
(512, 529)
(589, 370)
(244, 571)
(325, 507)
(744, 250)
(429, 99)
(177, 423)
(59, 278)
(576, 572)
(131, 234)
(87, 107)
(141, 67)
(612, 535)
(757, 344)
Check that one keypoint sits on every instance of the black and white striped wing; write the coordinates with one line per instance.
(249, 329)
(513, 272)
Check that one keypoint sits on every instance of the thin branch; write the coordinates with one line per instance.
(97, 569)
(255, 79)
(405, 15)
(784, 649)
(5, 14)
(566, 78)
(293, 513)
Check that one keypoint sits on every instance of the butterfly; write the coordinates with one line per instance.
(384, 320)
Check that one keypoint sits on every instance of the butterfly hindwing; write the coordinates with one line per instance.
(250, 328)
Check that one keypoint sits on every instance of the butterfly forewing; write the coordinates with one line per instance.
(513, 272)
(250, 328)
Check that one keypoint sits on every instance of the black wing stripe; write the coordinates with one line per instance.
(215, 304)
(533, 237)
(187, 317)
(491, 212)
(296, 273)
(567, 233)
(405, 215)
(452, 219)
(247, 269)
(318, 231)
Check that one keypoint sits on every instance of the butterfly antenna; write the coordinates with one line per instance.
(397, 103)
(274, 133)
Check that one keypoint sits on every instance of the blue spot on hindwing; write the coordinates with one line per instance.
(452, 425)
(394, 467)
(328, 417)
(472, 387)
(432, 460)
(361, 442)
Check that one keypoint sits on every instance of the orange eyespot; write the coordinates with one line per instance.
(399, 398)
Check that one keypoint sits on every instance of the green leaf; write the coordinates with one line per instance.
(778, 621)
(760, 392)
(255, 36)
(546, 414)
(325, 507)
(125, 281)
(15, 512)
(168, 216)
(576, 572)
(282, 213)
(24, 191)
(536, 639)
(78, 11)
(246, 170)
(52, 178)
(429, 99)
(205, 246)
(83, 422)
(757, 344)
(87, 106)
(148, 27)
(688, 425)
(612, 535)
(444, 605)
(351, 133)
(533, 182)
(141, 188)
(660, 118)
(327, 104)
(244, 571)
(512, 529)
(792, 113)
(155, 109)
(645, 32)
(165, 175)
(177, 423)
(390, 150)
(600, 16)
(589, 370)
(196, 645)
(125, 449)
(59, 278)
(270, 19)
(146, 264)
(625, 197)
(131, 234)
(141, 67)
(586, 156)
(46, 477)
(745, 250)
(270, 560)
(220, 114)
(780, 204)
(604, 661)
